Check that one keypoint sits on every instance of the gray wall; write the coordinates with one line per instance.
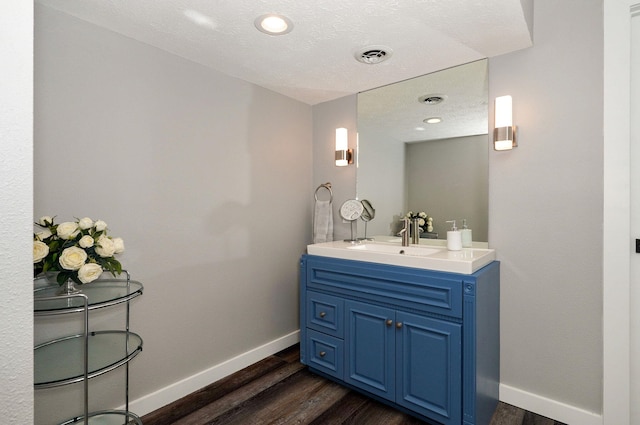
(448, 179)
(546, 196)
(381, 170)
(206, 177)
(545, 207)
(551, 306)
(326, 118)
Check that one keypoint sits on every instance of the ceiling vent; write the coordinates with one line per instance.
(432, 99)
(373, 54)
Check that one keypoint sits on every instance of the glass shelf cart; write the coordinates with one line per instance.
(78, 358)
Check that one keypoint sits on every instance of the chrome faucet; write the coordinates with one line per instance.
(405, 232)
(415, 231)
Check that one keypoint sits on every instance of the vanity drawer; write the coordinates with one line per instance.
(416, 289)
(326, 353)
(325, 313)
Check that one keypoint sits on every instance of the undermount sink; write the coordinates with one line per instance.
(466, 261)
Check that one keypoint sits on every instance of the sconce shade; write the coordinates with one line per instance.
(504, 115)
(342, 141)
(504, 134)
(344, 155)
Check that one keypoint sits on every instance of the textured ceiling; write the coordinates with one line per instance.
(315, 62)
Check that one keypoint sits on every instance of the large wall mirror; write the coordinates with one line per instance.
(407, 164)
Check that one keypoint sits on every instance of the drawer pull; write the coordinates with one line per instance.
(398, 325)
(323, 353)
(389, 322)
(322, 314)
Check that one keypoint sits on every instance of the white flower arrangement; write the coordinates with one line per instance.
(424, 220)
(78, 250)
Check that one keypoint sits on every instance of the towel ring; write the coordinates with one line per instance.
(325, 186)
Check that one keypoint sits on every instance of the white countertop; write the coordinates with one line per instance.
(430, 254)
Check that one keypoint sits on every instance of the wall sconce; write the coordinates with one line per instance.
(344, 155)
(504, 133)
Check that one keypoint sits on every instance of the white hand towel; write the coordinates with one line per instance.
(323, 222)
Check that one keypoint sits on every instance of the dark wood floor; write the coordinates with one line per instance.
(280, 390)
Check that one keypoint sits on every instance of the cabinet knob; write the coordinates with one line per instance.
(389, 322)
(398, 325)
(322, 314)
(323, 353)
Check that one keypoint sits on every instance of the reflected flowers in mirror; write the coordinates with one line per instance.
(424, 220)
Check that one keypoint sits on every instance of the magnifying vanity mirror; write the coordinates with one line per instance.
(368, 214)
(407, 164)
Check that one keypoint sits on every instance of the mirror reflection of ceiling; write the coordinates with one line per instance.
(315, 62)
(397, 111)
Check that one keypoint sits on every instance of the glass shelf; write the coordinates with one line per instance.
(101, 293)
(61, 361)
(107, 417)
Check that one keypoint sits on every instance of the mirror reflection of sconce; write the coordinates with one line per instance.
(504, 133)
(344, 155)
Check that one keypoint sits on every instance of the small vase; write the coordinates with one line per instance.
(69, 288)
(51, 277)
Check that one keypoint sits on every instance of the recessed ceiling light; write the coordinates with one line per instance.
(273, 24)
(432, 120)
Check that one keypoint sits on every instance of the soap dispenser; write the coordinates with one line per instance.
(467, 239)
(454, 237)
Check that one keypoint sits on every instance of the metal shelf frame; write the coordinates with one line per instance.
(80, 303)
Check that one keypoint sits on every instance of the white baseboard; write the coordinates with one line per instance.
(565, 413)
(177, 390)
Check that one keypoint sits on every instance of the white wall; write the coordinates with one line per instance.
(635, 214)
(545, 216)
(200, 173)
(16, 190)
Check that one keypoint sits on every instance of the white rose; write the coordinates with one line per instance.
(89, 272)
(421, 222)
(67, 230)
(423, 215)
(72, 258)
(105, 247)
(46, 233)
(429, 228)
(40, 251)
(86, 241)
(85, 223)
(100, 225)
(118, 243)
(45, 220)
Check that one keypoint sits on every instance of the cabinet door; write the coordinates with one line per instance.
(429, 353)
(370, 353)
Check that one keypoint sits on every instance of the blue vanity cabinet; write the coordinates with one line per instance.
(426, 342)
